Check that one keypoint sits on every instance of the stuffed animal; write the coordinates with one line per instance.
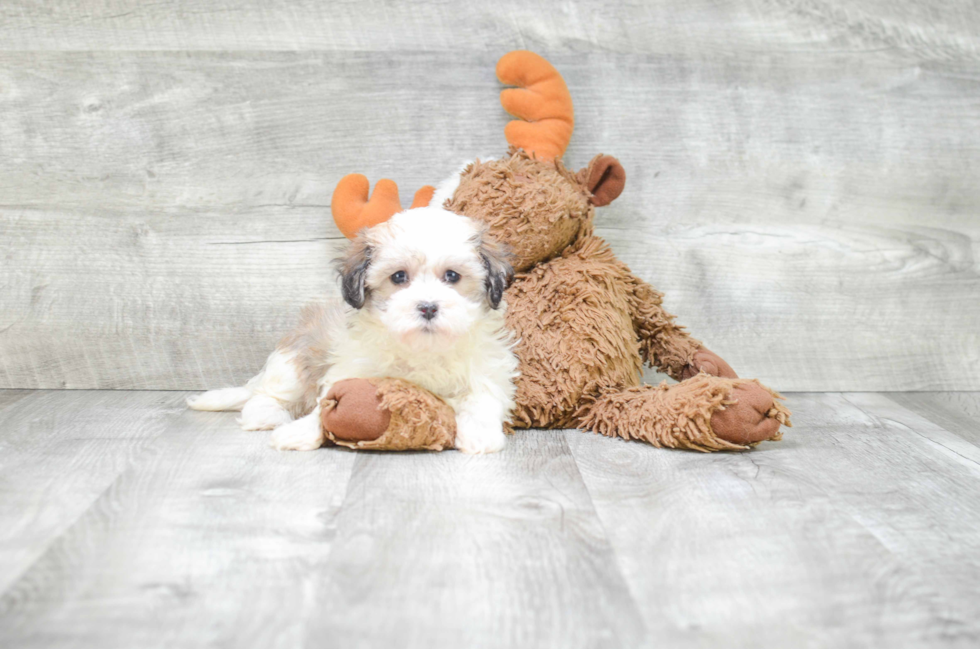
(585, 323)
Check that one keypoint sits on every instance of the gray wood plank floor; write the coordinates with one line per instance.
(128, 521)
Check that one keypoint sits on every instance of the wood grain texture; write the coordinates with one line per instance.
(128, 521)
(928, 28)
(131, 302)
(801, 173)
(211, 538)
(107, 293)
(451, 550)
(858, 529)
(214, 538)
(59, 453)
(957, 412)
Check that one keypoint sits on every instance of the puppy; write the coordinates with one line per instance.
(425, 303)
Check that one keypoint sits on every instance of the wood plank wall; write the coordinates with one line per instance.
(803, 175)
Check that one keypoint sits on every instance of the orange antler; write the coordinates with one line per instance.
(352, 211)
(541, 103)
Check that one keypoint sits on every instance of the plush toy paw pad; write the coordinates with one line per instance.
(357, 415)
(750, 419)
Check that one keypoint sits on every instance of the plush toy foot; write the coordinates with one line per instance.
(750, 415)
(705, 360)
(705, 413)
(386, 414)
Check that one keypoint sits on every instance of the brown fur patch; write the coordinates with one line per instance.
(496, 258)
(352, 268)
(311, 345)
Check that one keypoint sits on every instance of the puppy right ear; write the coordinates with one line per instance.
(496, 262)
(353, 268)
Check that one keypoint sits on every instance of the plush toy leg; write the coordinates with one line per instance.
(704, 413)
(386, 414)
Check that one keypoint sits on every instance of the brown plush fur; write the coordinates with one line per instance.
(678, 416)
(310, 347)
(419, 420)
(586, 324)
(536, 208)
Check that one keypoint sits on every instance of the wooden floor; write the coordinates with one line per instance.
(128, 521)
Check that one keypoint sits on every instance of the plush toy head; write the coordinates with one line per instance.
(536, 207)
(529, 200)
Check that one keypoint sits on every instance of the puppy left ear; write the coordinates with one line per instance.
(496, 261)
(353, 268)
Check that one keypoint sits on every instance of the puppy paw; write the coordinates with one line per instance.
(263, 413)
(479, 439)
(301, 435)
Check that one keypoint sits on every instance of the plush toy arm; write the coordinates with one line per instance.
(706, 413)
(665, 344)
(386, 414)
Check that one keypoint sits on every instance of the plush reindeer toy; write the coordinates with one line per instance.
(585, 324)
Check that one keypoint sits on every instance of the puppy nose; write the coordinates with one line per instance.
(428, 310)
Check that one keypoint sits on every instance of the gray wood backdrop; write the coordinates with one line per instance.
(803, 174)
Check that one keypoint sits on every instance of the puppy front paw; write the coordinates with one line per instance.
(479, 438)
(263, 413)
(301, 435)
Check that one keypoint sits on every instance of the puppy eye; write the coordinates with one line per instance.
(399, 278)
(451, 276)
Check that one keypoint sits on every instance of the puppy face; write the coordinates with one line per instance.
(426, 274)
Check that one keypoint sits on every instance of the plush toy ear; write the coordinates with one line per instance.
(604, 178)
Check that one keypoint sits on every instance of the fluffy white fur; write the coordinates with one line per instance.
(462, 354)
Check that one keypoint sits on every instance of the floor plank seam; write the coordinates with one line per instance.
(605, 532)
(904, 426)
(147, 449)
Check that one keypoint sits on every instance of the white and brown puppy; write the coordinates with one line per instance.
(425, 295)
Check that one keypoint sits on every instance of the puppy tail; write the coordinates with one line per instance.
(223, 399)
